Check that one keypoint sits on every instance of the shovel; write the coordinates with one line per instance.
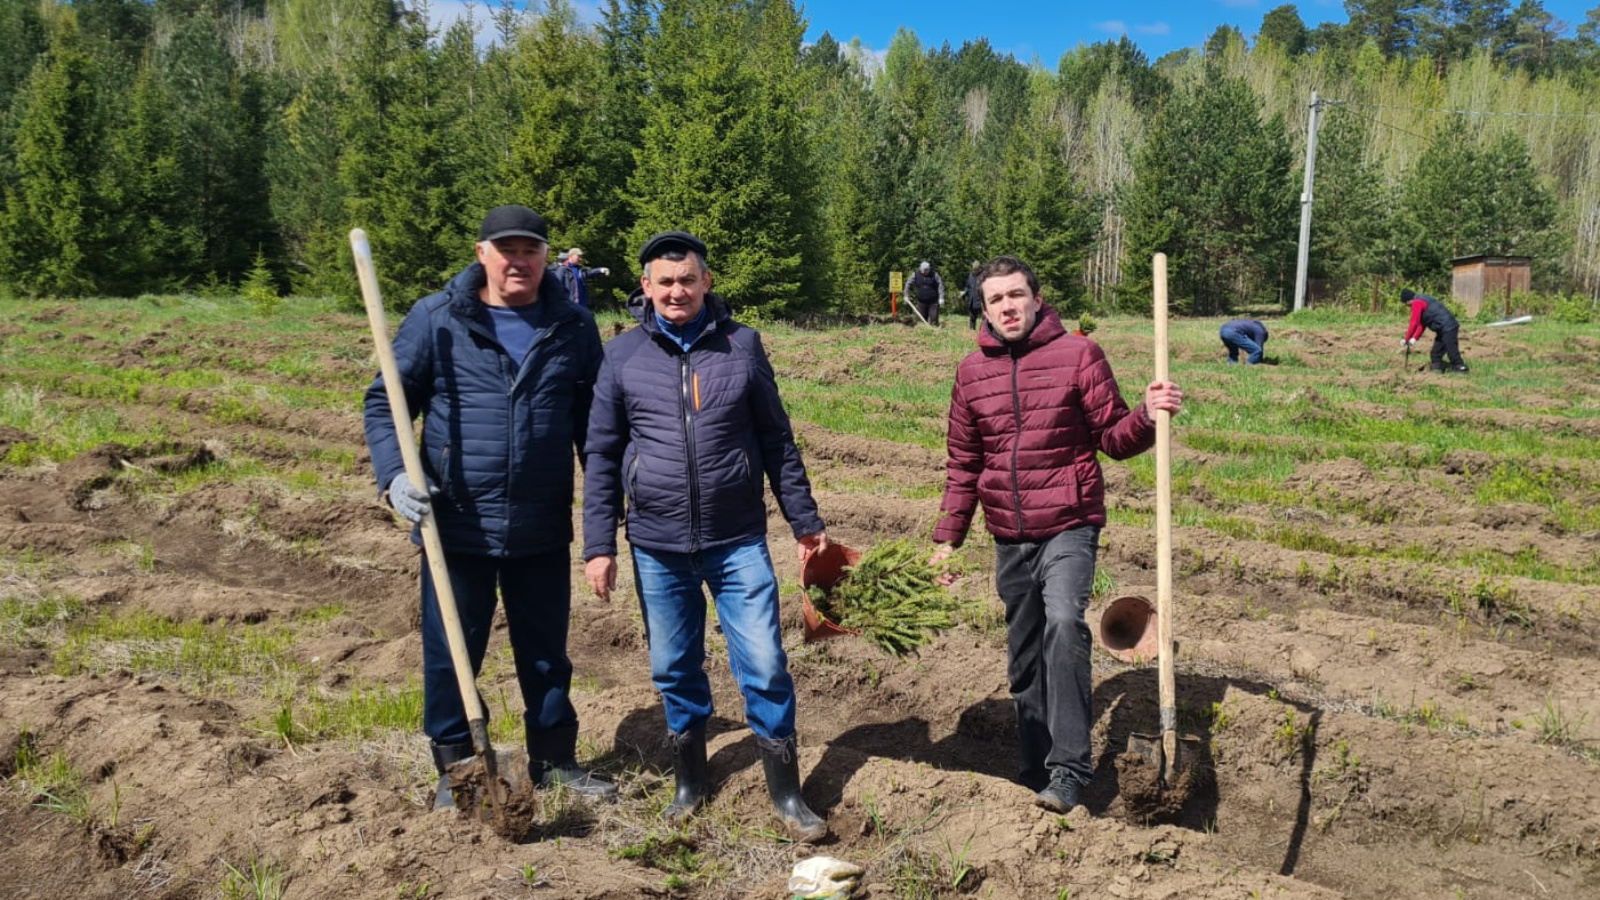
(477, 720)
(1153, 774)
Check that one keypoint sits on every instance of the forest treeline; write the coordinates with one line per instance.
(184, 144)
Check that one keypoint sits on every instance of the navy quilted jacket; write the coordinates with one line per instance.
(497, 436)
(687, 439)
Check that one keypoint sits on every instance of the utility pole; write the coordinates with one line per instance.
(1302, 258)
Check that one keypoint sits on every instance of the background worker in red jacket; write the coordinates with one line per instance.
(1428, 313)
(1030, 410)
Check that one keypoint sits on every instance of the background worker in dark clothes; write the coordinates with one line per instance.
(1429, 313)
(974, 294)
(501, 365)
(576, 277)
(1247, 335)
(926, 290)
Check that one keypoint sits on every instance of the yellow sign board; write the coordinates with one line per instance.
(897, 282)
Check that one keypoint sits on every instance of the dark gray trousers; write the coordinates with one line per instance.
(1045, 586)
(1446, 343)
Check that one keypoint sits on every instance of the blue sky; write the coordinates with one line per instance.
(1048, 28)
(1042, 28)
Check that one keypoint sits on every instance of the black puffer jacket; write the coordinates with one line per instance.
(688, 438)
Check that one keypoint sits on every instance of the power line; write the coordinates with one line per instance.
(1382, 124)
(1475, 112)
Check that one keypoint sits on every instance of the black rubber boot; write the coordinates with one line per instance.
(553, 761)
(689, 767)
(443, 756)
(780, 759)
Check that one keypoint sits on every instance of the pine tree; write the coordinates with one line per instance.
(402, 165)
(217, 114)
(1351, 230)
(1463, 199)
(1283, 26)
(1043, 216)
(159, 245)
(1211, 189)
(54, 223)
(717, 155)
(554, 66)
(843, 134)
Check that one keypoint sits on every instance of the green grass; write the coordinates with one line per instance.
(204, 658)
(904, 413)
(364, 712)
(51, 781)
(258, 879)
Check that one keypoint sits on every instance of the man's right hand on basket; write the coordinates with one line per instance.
(409, 502)
(602, 574)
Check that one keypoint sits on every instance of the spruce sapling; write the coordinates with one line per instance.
(890, 596)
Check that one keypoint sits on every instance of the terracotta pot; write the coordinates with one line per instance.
(824, 569)
(1128, 628)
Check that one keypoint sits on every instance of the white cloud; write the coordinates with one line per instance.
(1117, 26)
(444, 13)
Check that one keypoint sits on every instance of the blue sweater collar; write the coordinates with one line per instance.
(685, 334)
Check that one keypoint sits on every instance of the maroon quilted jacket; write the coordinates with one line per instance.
(1025, 423)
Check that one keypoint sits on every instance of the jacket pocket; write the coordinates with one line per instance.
(630, 484)
(752, 474)
(445, 481)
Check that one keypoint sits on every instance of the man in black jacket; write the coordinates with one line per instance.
(686, 425)
(926, 290)
(1428, 313)
(974, 294)
(502, 366)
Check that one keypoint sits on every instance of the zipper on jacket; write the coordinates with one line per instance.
(688, 447)
(1016, 445)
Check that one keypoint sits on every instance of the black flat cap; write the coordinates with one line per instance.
(513, 221)
(668, 241)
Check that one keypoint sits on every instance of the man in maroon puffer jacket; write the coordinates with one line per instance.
(1030, 410)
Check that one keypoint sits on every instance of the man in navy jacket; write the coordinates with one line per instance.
(1244, 335)
(686, 426)
(576, 277)
(501, 365)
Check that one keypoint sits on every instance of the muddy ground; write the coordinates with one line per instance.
(1359, 741)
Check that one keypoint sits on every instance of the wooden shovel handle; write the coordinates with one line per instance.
(1163, 419)
(431, 543)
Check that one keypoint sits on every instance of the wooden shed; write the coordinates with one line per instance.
(1483, 277)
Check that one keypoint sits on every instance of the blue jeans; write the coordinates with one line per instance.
(1045, 586)
(1236, 341)
(538, 596)
(746, 593)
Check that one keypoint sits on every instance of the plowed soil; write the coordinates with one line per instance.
(1358, 740)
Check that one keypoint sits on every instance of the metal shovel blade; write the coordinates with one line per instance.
(483, 784)
(1154, 784)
